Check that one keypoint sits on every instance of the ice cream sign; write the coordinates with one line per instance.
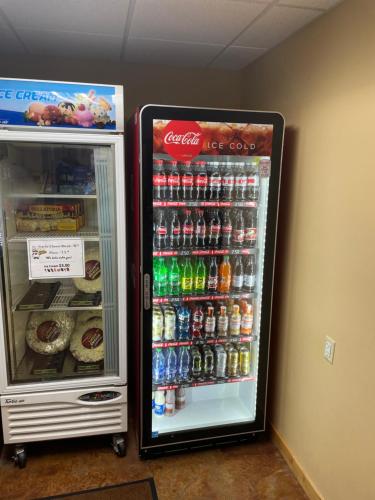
(34, 103)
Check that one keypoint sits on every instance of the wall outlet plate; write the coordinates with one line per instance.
(329, 349)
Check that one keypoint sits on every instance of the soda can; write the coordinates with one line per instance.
(232, 362)
(244, 361)
(169, 323)
(221, 362)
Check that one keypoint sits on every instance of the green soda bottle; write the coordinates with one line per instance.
(200, 276)
(161, 278)
(187, 277)
(174, 278)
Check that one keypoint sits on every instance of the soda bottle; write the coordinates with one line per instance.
(159, 180)
(169, 323)
(226, 230)
(250, 236)
(180, 398)
(214, 182)
(227, 182)
(183, 323)
(175, 231)
(187, 180)
(196, 363)
(170, 403)
(161, 278)
(213, 276)
(197, 323)
(184, 364)
(157, 324)
(237, 276)
(200, 276)
(222, 322)
(174, 277)
(158, 367)
(239, 230)
(160, 237)
(187, 277)
(240, 183)
(232, 361)
(214, 228)
(244, 361)
(210, 323)
(221, 361)
(187, 230)
(200, 230)
(170, 365)
(252, 191)
(235, 321)
(159, 403)
(247, 321)
(173, 181)
(249, 274)
(224, 275)
(200, 181)
(208, 362)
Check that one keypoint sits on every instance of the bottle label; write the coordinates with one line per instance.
(238, 235)
(250, 233)
(240, 181)
(157, 327)
(235, 325)
(159, 180)
(228, 181)
(227, 229)
(246, 325)
(215, 229)
(187, 283)
(173, 180)
(161, 231)
(188, 229)
(201, 181)
(200, 231)
(176, 231)
(210, 325)
(199, 282)
(249, 280)
(215, 181)
(212, 282)
(187, 180)
(159, 409)
(253, 180)
(222, 325)
(169, 326)
(237, 281)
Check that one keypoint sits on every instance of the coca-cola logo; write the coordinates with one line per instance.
(183, 140)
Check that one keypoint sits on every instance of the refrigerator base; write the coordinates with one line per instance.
(63, 415)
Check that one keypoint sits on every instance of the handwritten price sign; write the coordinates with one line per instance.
(56, 258)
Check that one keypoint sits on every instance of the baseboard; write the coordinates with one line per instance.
(296, 468)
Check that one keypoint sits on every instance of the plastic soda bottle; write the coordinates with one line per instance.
(235, 321)
(158, 367)
(221, 361)
(200, 276)
(249, 274)
(232, 362)
(208, 362)
(175, 230)
(159, 403)
(170, 403)
(197, 323)
(213, 276)
(196, 363)
(173, 180)
(209, 324)
(222, 322)
(161, 278)
(187, 230)
(174, 279)
(200, 230)
(247, 321)
(183, 323)
(184, 363)
(157, 324)
(252, 182)
(244, 362)
(237, 276)
(224, 275)
(169, 323)
(187, 277)
(170, 365)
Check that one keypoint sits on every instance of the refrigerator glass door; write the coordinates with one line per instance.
(210, 197)
(58, 237)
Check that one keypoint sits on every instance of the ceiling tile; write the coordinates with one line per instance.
(275, 25)
(88, 16)
(145, 50)
(316, 4)
(234, 58)
(205, 21)
(9, 44)
(65, 44)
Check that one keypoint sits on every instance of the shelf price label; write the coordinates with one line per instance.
(56, 258)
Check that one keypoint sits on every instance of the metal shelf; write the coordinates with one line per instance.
(205, 252)
(199, 342)
(87, 234)
(195, 298)
(203, 204)
(199, 383)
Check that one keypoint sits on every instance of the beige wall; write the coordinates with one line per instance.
(323, 81)
(144, 84)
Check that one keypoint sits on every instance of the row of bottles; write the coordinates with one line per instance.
(205, 229)
(202, 321)
(200, 180)
(175, 276)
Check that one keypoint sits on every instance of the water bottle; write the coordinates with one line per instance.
(158, 367)
(170, 365)
(183, 323)
(184, 364)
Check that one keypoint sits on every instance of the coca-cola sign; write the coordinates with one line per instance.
(182, 140)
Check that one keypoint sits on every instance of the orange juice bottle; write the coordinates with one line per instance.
(225, 274)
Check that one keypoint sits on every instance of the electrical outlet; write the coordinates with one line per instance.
(329, 349)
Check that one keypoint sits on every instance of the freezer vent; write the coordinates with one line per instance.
(60, 420)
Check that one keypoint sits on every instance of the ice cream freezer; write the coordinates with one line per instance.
(63, 262)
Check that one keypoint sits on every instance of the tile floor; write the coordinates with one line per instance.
(247, 472)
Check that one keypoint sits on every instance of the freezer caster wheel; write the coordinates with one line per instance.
(118, 445)
(19, 458)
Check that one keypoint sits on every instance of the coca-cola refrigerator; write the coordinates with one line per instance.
(204, 190)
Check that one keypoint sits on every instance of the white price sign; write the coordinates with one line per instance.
(56, 257)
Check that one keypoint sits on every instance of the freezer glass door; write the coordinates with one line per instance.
(210, 199)
(58, 241)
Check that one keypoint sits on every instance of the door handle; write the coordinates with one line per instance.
(146, 291)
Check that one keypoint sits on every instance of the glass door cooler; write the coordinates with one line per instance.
(63, 335)
(206, 186)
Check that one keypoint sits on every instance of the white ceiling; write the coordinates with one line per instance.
(227, 34)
